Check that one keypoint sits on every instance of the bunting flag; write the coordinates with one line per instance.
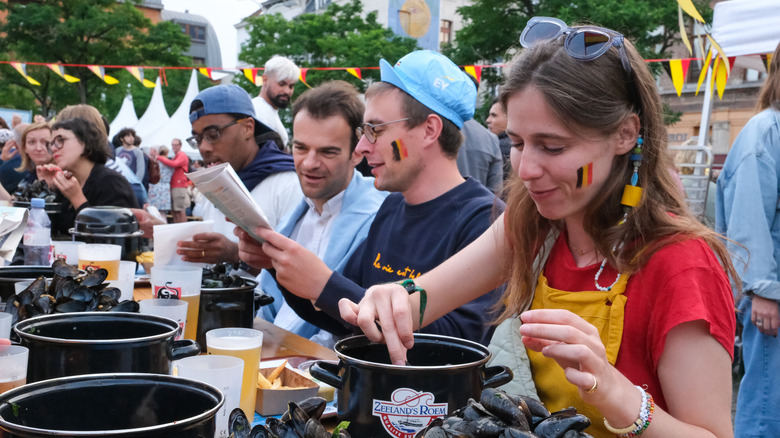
(138, 73)
(355, 72)
(678, 70)
(205, 71)
(683, 32)
(720, 75)
(60, 70)
(101, 73)
(475, 71)
(704, 67)
(251, 74)
(690, 9)
(22, 69)
(721, 54)
(767, 58)
(302, 76)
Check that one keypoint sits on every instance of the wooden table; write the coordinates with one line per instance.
(277, 342)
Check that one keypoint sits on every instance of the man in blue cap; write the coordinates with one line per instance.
(225, 130)
(410, 137)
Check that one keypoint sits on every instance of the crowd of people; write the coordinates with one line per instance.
(557, 235)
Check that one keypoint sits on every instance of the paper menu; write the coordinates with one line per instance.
(220, 185)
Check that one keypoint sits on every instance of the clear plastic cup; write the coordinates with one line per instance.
(13, 366)
(245, 344)
(67, 250)
(167, 308)
(181, 282)
(225, 373)
(5, 325)
(126, 279)
(100, 255)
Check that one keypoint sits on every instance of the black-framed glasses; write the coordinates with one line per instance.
(57, 143)
(369, 129)
(211, 134)
(584, 43)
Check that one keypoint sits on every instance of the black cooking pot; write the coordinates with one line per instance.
(381, 399)
(9, 275)
(229, 307)
(112, 225)
(68, 344)
(111, 405)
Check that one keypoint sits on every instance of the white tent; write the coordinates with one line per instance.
(745, 29)
(155, 115)
(178, 126)
(126, 118)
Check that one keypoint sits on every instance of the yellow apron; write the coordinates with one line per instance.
(606, 311)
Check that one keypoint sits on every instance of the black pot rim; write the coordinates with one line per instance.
(361, 340)
(73, 232)
(45, 386)
(250, 285)
(23, 325)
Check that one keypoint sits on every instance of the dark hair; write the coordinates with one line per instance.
(334, 98)
(123, 132)
(273, 136)
(450, 137)
(89, 135)
(3, 125)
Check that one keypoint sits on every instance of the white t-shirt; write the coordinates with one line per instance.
(276, 195)
(270, 116)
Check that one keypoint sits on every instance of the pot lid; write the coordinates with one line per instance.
(106, 221)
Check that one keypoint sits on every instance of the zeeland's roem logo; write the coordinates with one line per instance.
(408, 412)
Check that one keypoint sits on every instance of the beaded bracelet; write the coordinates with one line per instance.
(411, 287)
(642, 421)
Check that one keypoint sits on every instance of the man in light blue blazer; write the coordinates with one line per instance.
(339, 203)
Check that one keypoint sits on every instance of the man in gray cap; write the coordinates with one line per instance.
(225, 130)
(410, 136)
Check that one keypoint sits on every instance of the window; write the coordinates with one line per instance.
(197, 33)
(197, 61)
(445, 32)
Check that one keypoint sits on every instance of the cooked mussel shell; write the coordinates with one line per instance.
(238, 425)
(63, 269)
(95, 277)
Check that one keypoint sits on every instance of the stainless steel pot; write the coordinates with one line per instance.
(380, 399)
(67, 344)
(111, 405)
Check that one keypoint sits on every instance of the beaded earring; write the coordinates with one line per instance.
(632, 194)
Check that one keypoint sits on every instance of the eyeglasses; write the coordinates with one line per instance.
(212, 134)
(56, 143)
(369, 130)
(584, 43)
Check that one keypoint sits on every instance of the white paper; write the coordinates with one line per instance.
(220, 185)
(13, 221)
(167, 236)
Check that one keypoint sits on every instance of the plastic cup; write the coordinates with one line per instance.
(5, 326)
(20, 286)
(181, 282)
(100, 255)
(13, 367)
(67, 250)
(167, 308)
(225, 373)
(245, 344)
(126, 279)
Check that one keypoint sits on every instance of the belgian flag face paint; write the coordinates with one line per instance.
(399, 150)
(585, 176)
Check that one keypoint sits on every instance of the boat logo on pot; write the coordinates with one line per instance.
(408, 412)
(167, 291)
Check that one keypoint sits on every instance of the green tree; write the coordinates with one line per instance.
(86, 32)
(339, 37)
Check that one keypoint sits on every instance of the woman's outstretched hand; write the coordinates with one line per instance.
(384, 315)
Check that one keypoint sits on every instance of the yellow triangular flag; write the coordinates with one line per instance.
(356, 73)
(22, 69)
(60, 70)
(704, 67)
(251, 74)
(721, 76)
(683, 32)
(138, 73)
(721, 53)
(678, 69)
(101, 73)
(205, 71)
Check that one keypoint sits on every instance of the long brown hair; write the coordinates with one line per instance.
(597, 96)
(770, 92)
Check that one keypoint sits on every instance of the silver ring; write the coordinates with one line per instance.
(760, 322)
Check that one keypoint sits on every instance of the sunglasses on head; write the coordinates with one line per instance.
(584, 43)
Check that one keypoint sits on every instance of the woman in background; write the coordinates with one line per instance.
(160, 193)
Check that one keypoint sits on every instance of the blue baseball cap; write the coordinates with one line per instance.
(436, 82)
(225, 99)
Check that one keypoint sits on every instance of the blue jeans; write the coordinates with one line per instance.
(758, 402)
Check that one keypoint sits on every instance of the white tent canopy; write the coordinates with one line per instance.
(155, 116)
(178, 126)
(745, 29)
(126, 117)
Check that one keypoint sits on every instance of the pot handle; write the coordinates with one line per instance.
(184, 348)
(496, 376)
(262, 299)
(327, 372)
